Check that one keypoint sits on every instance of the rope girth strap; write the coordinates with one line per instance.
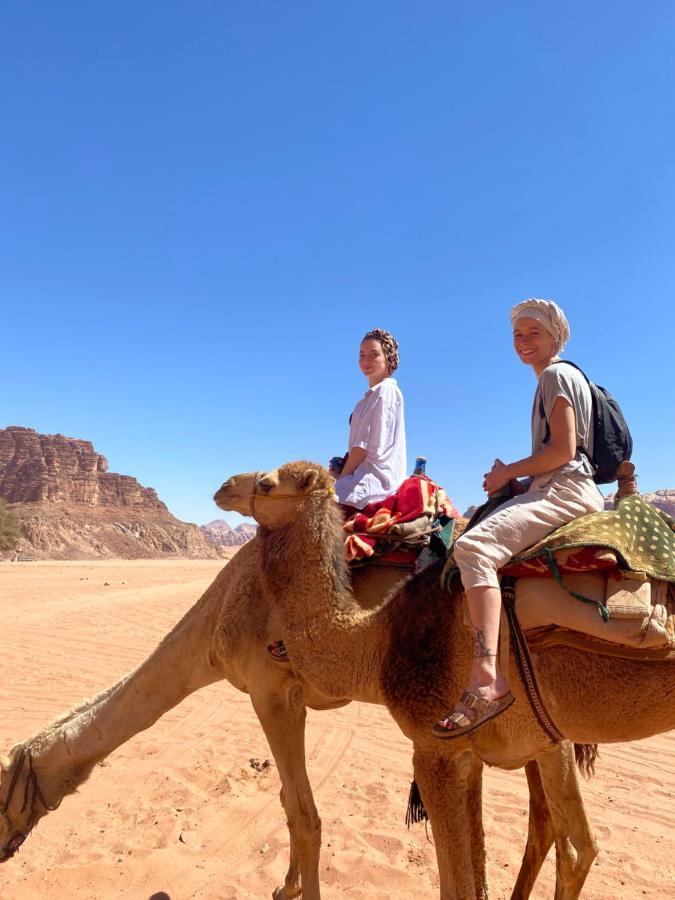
(524, 661)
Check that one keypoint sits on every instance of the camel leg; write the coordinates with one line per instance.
(449, 788)
(282, 716)
(576, 847)
(475, 810)
(540, 835)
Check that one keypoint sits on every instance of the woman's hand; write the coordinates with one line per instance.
(497, 478)
(353, 460)
(336, 464)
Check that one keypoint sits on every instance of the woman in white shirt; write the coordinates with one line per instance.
(375, 465)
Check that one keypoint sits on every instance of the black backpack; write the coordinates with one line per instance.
(612, 441)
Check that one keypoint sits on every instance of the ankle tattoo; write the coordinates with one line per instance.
(480, 648)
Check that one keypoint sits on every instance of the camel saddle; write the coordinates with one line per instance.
(620, 564)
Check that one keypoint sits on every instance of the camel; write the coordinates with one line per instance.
(412, 653)
(224, 636)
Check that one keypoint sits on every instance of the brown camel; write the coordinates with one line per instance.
(412, 653)
(224, 636)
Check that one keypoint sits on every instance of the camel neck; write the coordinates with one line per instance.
(66, 751)
(331, 640)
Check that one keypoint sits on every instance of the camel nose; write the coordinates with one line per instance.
(225, 486)
(12, 845)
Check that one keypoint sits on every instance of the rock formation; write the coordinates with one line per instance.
(71, 507)
(223, 535)
(664, 499)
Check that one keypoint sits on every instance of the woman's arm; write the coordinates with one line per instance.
(560, 449)
(355, 458)
(374, 436)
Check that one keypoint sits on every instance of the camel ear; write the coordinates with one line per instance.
(309, 479)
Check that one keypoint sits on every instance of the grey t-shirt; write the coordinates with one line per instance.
(562, 380)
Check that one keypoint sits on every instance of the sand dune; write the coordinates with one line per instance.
(179, 812)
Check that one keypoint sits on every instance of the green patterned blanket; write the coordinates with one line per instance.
(642, 536)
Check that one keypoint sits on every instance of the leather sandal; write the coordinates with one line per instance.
(457, 723)
(277, 650)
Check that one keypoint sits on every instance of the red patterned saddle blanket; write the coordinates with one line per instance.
(569, 561)
(396, 529)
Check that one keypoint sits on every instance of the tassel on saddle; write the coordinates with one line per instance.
(416, 811)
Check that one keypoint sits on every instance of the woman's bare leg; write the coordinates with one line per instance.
(485, 680)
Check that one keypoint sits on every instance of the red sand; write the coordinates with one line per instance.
(179, 813)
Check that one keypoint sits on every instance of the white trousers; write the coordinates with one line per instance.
(551, 501)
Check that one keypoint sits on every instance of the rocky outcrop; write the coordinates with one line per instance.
(664, 499)
(51, 468)
(70, 532)
(70, 506)
(223, 535)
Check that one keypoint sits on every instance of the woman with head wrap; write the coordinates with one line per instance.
(559, 488)
(375, 465)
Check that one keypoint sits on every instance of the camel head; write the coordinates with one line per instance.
(22, 803)
(275, 498)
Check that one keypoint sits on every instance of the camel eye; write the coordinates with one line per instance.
(265, 486)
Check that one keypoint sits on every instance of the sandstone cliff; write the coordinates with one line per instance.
(52, 468)
(70, 507)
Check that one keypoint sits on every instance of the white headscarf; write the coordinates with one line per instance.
(549, 314)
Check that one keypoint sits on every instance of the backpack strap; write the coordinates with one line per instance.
(542, 415)
(542, 411)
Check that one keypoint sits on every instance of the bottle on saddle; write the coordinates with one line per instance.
(420, 465)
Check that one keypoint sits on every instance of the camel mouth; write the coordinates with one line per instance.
(12, 845)
(223, 499)
(224, 502)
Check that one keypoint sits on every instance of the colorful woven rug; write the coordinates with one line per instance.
(403, 520)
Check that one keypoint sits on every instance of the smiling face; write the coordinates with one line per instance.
(533, 343)
(373, 362)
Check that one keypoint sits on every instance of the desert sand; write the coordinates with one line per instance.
(179, 811)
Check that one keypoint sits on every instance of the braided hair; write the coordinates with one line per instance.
(389, 346)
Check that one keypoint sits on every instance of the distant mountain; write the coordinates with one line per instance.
(223, 535)
(70, 506)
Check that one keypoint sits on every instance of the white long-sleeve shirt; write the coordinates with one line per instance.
(378, 427)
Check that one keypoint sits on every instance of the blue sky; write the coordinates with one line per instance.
(206, 204)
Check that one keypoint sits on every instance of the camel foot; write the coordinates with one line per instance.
(284, 893)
